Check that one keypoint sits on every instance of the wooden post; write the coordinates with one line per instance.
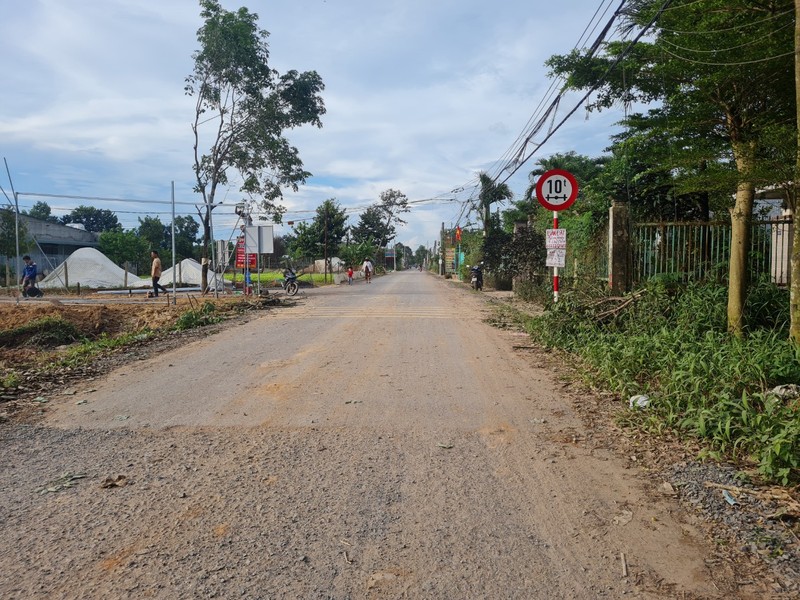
(66, 276)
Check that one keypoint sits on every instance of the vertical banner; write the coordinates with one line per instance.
(240, 255)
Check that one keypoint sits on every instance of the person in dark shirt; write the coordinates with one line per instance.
(28, 275)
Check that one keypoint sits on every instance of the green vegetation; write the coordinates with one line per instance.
(46, 332)
(88, 349)
(205, 315)
(672, 343)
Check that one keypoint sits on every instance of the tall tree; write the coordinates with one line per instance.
(722, 72)
(41, 210)
(326, 231)
(153, 232)
(372, 226)
(93, 219)
(124, 246)
(490, 193)
(186, 236)
(246, 106)
(8, 234)
(393, 203)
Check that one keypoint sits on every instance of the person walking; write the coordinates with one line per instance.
(155, 273)
(349, 275)
(368, 270)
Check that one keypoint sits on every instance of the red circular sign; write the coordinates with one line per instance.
(557, 189)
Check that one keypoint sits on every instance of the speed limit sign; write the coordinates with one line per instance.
(557, 189)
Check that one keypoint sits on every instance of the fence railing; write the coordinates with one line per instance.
(702, 250)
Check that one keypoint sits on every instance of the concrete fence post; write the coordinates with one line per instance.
(619, 248)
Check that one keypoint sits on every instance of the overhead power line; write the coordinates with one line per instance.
(594, 87)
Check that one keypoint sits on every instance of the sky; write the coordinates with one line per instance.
(421, 96)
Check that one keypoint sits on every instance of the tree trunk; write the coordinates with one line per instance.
(794, 282)
(204, 253)
(741, 219)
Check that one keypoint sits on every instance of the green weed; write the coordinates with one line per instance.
(673, 345)
(44, 332)
(205, 315)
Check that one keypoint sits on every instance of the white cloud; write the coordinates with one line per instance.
(420, 95)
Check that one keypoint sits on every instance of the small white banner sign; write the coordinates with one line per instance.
(555, 238)
(556, 257)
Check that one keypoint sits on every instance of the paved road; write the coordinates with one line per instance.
(376, 441)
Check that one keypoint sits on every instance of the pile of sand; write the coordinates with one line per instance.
(91, 269)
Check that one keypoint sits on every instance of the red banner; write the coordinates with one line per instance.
(251, 258)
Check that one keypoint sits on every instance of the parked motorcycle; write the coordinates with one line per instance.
(477, 277)
(289, 282)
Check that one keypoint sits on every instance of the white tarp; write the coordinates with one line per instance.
(189, 271)
(92, 269)
(336, 264)
(186, 271)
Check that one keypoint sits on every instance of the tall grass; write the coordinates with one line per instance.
(672, 344)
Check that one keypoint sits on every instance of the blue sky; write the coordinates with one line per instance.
(421, 95)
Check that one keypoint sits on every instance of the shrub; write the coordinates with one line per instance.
(672, 344)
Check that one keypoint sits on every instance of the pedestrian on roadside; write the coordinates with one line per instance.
(349, 275)
(155, 273)
(368, 270)
(29, 273)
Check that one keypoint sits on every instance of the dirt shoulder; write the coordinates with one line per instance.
(755, 526)
(36, 362)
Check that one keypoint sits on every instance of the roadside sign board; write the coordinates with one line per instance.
(241, 254)
(557, 189)
(555, 238)
(556, 257)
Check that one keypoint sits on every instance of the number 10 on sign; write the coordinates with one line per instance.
(556, 190)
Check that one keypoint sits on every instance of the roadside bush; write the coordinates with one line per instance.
(672, 344)
(44, 332)
(205, 315)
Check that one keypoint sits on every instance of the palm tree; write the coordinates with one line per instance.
(489, 194)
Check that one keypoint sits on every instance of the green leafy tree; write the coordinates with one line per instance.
(719, 93)
(494, 236)
(326, 231)
(420, 255)
(154, 233)
(355, 254)
(371, 226)
(393, 203)
(585, 169)
(93, 219)
(245, 106)
(124, 247)
(41, 210)
(186, 236)
(8, 236)
(490, 193)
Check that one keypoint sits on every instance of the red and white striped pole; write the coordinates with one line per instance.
(555, 269)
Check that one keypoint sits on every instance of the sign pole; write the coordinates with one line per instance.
(556, 190)
(555, 269)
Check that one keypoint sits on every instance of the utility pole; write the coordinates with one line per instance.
(794, 277)
(325, 258)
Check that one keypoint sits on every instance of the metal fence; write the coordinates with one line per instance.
(702, 250)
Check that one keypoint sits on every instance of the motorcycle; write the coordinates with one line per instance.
(289, 282)
(32, 291)
(477, 277)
